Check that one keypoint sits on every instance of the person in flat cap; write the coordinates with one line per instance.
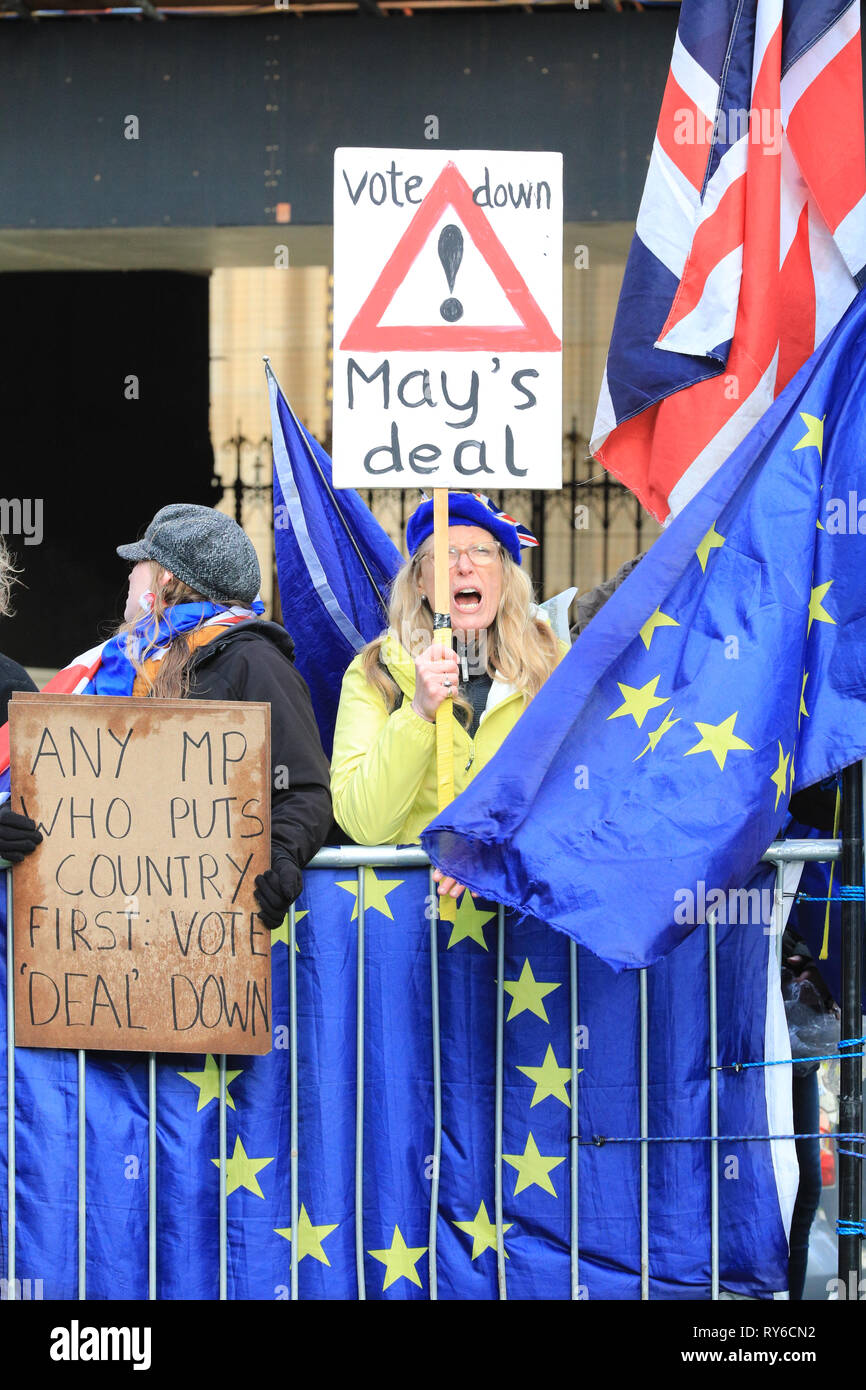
(383, 769)
(193, 628)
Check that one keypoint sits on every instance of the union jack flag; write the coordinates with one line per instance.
(74, 679)
(524, 535)
(750, 240)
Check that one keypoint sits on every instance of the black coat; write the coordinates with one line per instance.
(12, 677)
(255, 661)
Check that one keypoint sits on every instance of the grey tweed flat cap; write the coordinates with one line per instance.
(203, 547)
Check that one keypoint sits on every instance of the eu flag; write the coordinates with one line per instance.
(650, 774)
(389, 1216)
(334, 561)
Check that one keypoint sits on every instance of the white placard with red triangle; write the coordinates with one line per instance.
(447, 362)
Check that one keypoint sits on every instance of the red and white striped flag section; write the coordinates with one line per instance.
(74, 679)
(750, 240)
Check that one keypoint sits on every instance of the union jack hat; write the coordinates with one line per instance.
(524, 535)
(471, 509)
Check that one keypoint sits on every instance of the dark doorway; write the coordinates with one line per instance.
(104, 390)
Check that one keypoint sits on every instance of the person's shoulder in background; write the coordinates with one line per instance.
(12, 677)
(816, 806)
(593, 600)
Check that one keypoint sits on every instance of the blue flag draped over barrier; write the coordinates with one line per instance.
(540, 1031)
(655, 766)
(334, 562)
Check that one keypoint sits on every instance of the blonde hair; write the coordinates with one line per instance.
(8, 572)
(521, 648)
(173, 675)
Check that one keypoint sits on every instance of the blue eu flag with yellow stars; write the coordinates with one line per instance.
(655, 766)
(364, 1210)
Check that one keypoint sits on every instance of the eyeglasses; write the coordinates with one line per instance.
(479, 554)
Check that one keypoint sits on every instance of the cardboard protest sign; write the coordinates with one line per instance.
(447, 319)
(135, 925)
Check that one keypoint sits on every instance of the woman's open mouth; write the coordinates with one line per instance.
(467, 599)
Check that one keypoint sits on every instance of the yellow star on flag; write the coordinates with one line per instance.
(483, 1232)
(655, 620)
(400, 1260)
(527, 993)
(550, 1079)
(780, 776)
(803, 709)
(241, 1170)
(376, 892)
(310, 1237)
(639, 701)
(281, 933)
(533, 1168)
(792, 774)
(712, 540)
(718, 739)
(817, 613)
(469, 923)
(814, 433)
(208, 1082)
(654, 735)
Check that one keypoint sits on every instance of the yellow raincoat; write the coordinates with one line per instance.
(383, 769)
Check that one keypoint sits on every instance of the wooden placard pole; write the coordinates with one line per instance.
(442, 634)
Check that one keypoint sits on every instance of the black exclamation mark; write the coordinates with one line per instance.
(451, 254)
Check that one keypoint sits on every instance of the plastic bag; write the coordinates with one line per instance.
(813, 1023)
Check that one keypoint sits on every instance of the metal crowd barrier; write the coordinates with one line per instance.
(780, 853)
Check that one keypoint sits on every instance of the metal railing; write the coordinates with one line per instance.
(359, 859)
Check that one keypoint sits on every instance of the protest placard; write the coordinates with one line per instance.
(135, 925)
(447, 319)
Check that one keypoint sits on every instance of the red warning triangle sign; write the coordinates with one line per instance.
(532, 334)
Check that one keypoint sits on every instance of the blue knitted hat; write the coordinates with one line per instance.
(470, 509)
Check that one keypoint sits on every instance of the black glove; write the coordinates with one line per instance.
(276, 890)
(18, 835)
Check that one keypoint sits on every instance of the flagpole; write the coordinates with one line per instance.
(849, 1224)
(442, 633)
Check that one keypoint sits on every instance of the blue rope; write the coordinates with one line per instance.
(851, 1228)
(599, 1140)
(781, 1062)
(848, 892)
(789, 1061)
(850, 1153)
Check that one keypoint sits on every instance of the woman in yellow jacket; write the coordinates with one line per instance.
(383, 770)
